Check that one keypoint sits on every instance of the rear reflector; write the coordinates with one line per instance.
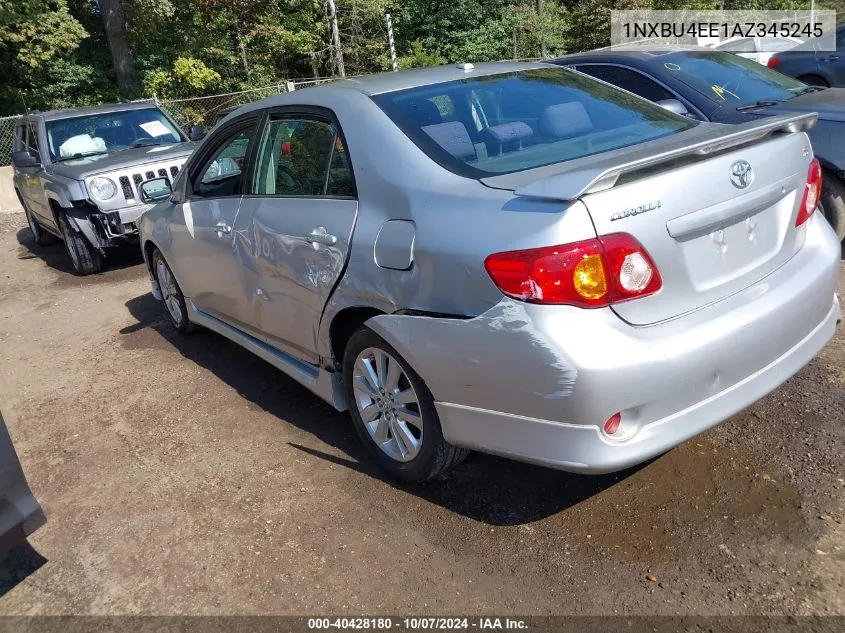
(812, 192)
(612, 424)
(591, 274)
(773, 62)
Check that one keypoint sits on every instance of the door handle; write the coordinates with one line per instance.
(319, 235)
(222, 229)
(831, 58)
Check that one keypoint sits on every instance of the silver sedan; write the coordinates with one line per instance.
(510, 258)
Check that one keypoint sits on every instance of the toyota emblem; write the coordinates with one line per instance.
(742, 175)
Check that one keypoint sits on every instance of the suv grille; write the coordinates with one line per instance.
(130, 182)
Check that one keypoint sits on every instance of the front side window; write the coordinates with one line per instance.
(728, 79)
(80, 136)
(505, 123)
(221, 174)
(630, 80)
(300, 157)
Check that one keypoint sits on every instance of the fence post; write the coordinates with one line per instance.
(390, 42)
(290, 85)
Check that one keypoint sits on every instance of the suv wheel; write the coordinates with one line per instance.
(833, 203)
(393, 411)
(42, 237)
(86, 259)
(171, 294)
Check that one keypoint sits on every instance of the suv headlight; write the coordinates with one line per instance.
(102, 188)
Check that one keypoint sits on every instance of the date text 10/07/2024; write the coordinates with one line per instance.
(418, 623)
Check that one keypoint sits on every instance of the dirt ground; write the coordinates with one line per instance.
(182, 475)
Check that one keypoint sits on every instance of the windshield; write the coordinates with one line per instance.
(498, 124)
(109, 132)
(728, 79)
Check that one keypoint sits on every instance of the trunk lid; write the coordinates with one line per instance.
(708, 236)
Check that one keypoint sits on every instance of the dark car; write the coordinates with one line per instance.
(716, 86)
(20, 513)
(814, 67)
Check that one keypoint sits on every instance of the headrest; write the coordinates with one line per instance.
(509, 132)
(453, 137)
(565, 120)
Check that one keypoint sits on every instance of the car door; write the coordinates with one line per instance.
(834, 61)
(20, 513)
(29, 177)
(207, 239)
(37, 194)
(301, 210)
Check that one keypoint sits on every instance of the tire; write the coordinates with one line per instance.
(814, 80)
(86, 259)
(42, 237)
(172, 297)
(414, 419)
(833, 203)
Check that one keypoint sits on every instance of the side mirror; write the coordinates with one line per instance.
(673, 105)
(24, 159)
(155, 190)
(196, 133)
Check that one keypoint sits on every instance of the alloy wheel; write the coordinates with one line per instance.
(388, 404)
(169, 292)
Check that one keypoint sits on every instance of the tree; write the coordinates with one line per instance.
(114, 23)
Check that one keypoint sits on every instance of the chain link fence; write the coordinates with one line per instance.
(206, 111)
(7, 136)
(203, 111)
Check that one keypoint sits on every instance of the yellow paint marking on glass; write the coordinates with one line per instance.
(721, 91)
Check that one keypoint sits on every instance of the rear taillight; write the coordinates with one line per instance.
(591, 274)
(773, 62)
(812, 191)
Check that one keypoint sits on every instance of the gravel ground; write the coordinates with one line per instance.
(182, 475)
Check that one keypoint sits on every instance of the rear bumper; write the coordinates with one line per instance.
(536, 383)
(585, 448)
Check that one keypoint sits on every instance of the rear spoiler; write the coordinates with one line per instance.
(603, 173)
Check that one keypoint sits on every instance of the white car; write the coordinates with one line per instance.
(758, 49)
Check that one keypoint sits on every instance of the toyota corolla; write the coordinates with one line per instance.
(509, 258)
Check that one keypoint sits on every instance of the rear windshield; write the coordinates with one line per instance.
(728, 79)
(499, 124)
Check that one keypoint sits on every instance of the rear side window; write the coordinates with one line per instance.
(20, 138)
(300, 157)
(32, 140)
(499, 124)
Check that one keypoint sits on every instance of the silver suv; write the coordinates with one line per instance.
(77, 172)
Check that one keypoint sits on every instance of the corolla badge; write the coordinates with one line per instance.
(643, 208)
(742, 174)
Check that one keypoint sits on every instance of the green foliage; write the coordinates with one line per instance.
(419, 58)
(37, 36)
(187, 76)
(186, 48)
